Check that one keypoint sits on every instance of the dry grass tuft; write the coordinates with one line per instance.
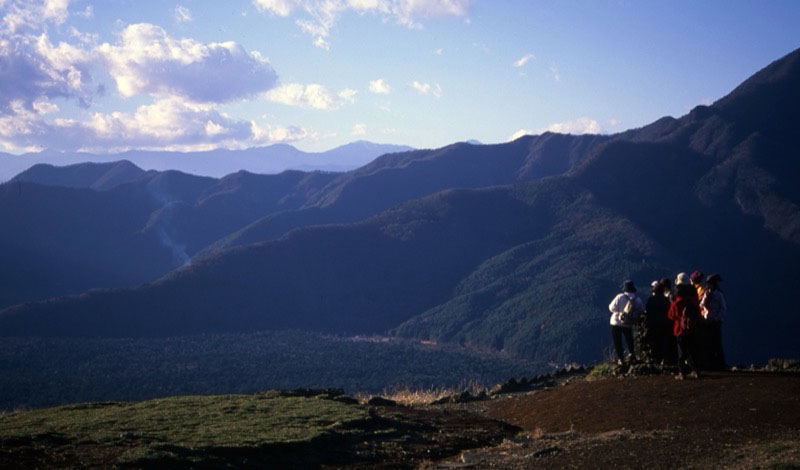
(415, 396)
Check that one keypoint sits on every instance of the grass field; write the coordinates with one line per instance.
(177, 429)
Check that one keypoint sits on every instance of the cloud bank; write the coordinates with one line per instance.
(36, 75)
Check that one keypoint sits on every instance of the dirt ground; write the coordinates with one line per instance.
(722, 420)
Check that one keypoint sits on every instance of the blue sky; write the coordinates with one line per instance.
(113, 75)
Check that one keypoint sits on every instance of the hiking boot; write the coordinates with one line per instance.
(694, 375)
(680, 376)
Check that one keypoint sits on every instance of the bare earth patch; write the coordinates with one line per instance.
(731, 420)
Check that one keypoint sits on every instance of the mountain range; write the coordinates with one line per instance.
(516, 247)
(216, 163)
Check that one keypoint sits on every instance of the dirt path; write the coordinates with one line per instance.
(732, 420)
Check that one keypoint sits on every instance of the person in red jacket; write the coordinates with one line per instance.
(684, 311)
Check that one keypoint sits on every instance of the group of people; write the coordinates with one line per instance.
(680, 325)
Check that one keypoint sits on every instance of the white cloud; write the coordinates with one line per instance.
(182, 14)
(322, 15)
(277, 7)
(273, 134)
(422, 88)
(33, 68)
(167, 124)
(523, 60)
(312, 96)
(582, 125)
(380, 87)
(427, 88)
(87, 12)
(554, 73)
(88, 39)
(520, 133)
(359, 129)
(43, 106)
(33, 15)
(147, 60)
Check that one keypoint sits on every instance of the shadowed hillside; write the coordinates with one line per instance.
(527, 267)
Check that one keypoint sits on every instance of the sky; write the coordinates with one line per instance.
(114, 75)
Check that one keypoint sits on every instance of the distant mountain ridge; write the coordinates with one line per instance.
(217, 163)
(515, 247)
(191, 215)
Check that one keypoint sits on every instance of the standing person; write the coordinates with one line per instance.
(713, 309)
(697, 282)
(701, 333)
(657, 323)
(685, 315)
(670, 346)
(625, 308)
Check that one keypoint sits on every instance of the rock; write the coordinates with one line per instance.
(305, 392)
(380, 401)
(544, 452)
(346, 400)
(778, 364)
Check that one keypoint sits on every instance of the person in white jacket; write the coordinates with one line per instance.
(625, 309)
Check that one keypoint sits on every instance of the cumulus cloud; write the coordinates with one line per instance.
(427, 88)
(314, 96)
(523, 60)
(582, 125)
(380, 87)
(167, 124)
(148, 61)
(32, 67)
(25, 15)
(320, 16)
(186, 78)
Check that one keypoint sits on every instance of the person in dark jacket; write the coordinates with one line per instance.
(684, 311)
(713, 309)
(670, 346)
(658, 326)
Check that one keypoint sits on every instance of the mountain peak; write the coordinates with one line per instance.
(772, 92)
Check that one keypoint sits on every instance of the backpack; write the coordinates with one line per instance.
(687, 322)
(631, 312)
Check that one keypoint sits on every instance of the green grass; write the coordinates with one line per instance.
(171, 427)
(602, 370)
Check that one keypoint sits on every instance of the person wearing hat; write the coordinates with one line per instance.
(701, 334)
(697, 282)
(713, 308)
(658, 327)
(625, 310)
(684, 311)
